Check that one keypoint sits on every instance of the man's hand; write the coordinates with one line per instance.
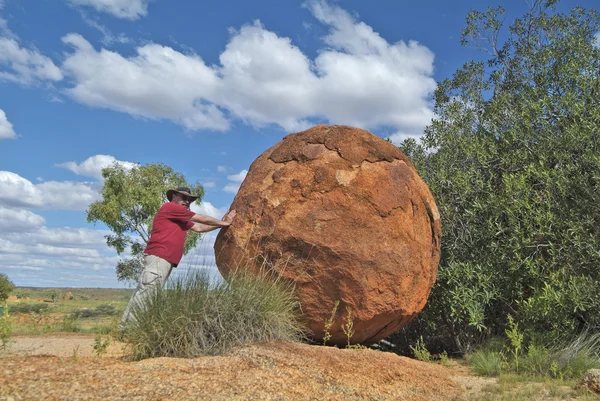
(229, 216)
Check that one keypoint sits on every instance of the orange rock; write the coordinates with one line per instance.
(343, 214)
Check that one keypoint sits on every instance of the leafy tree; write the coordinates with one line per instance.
(6, 287)
(130, 199)
(513, 160)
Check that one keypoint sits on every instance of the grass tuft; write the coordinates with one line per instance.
(193, 317)
(486, 362)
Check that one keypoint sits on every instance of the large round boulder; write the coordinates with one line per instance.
(344, 215)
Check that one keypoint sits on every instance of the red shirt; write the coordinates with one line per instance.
(169, 230)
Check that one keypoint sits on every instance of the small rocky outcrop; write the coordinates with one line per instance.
(345, 216)
(591, 380)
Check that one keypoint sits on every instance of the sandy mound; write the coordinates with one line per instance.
(273, 371)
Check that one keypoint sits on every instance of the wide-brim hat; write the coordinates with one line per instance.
(181, 190)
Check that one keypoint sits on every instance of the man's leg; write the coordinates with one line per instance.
(156, 272)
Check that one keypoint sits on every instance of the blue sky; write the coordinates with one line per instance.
(204, 87)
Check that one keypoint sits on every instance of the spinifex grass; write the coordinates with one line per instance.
(567, 359)
(193, 316)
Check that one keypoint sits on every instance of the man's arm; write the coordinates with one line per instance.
(212, 223)
(202, 228)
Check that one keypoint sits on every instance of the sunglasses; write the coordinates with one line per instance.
(185, 198)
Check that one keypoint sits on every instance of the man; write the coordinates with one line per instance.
(167, 240)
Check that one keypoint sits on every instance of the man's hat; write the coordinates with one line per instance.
(181, 190)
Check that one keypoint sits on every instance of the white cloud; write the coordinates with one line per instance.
(359, 79)
(92, 166)
(127, 9)
(6, 128)
(158, 83)
(25, 66)
(18, 192)
(68, 195)
(209, 184)
(395, 78)
(236, 181)
(62, 237)
(8, 246)
(108, 38)
(222, 169)
(56, 254)
(208, 209)
(231, 188)
(239, 177)
(27, 244)
(257, 58)
(14, 221)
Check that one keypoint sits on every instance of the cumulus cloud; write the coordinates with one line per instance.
(25, 66)
(27, 244)
(15, 221)
(126, 9)
(208, 209)
(158, 83)
(235, 181)
(92, 166)
(19, 192)
(56, 255)
(63, 237)
(358, 78)
(7, 246)
(6, 128)
(231, 188)
(239, 177)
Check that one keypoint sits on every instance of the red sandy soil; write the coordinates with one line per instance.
(66, 367)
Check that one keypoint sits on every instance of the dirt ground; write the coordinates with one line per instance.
(66, 367)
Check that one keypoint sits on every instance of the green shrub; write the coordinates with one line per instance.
(28, 308)
(106, 310)
(511, 159)
(191, 317)
(100, 310)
